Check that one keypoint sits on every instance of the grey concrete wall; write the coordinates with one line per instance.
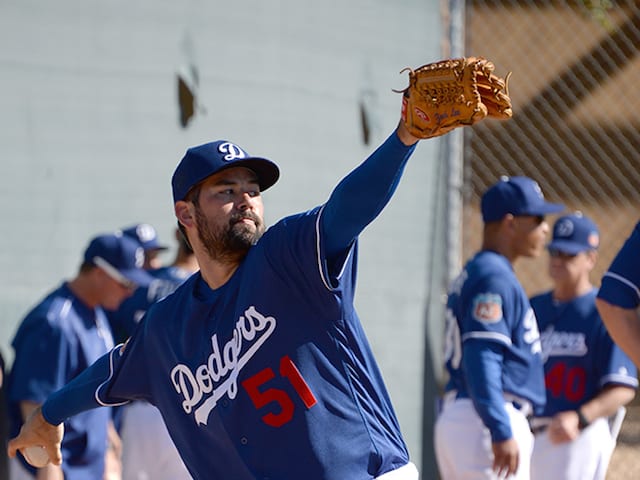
(89, 136)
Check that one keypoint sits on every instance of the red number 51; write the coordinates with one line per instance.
(260, 398)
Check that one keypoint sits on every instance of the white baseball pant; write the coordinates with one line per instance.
(463, 443)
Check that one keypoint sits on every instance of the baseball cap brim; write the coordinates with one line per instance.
(154, 248)
(267, 171)
(138, 276)
(190, 174)
(567, 246)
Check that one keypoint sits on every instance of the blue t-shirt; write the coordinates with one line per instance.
(55, 342)
(580, 357)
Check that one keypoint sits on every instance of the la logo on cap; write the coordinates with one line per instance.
(231, 151)
(564, 228)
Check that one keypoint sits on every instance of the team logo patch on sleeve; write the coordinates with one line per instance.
(487, 308)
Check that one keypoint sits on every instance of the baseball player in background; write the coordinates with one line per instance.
(619, 297)
(588, 378)
(62, 335)
(493, 347)
(258, 362)
(124, 320)
(147, 235)
(147, 450)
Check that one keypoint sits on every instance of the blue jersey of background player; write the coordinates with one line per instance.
(580, 357)
(61, 336)
(166, 279)
(259, 363)
(493, 346)
(147, 449)
(619, 297)
(588, 378)
(124, 320)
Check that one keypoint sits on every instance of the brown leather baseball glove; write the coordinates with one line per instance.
(452, 93)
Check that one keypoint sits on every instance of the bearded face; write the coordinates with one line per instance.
(232, 240)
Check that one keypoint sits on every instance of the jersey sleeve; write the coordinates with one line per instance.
(486, 316)
(621, 283)
(485, 333)
(617, 367)
(85, 391)
(483, 363)
(128, 376)
(360, 197)
(36, 350)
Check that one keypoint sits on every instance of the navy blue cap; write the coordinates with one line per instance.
(146, 235)
(574, 233)
(204, 160)
(119, 255)
(518, 196)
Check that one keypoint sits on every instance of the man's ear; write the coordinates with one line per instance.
(510, 223)
(183, 213)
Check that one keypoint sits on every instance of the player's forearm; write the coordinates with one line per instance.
(360, 196)
(624, 327)
(607, 402)
(85, 392)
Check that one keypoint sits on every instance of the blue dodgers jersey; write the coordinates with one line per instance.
(580, 357)
(486, 302)
(55, 342)
(271, 375)
(621, 283)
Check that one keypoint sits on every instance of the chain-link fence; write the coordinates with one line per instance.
(576, 127)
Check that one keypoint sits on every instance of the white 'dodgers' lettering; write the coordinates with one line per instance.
(251, 331)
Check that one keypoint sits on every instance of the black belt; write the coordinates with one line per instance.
(539, 429)
(539, 425)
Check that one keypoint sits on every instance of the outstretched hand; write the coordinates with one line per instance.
(36, 431)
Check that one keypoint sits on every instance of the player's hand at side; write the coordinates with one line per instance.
(36, 431)
(506, 457)
(564, 427)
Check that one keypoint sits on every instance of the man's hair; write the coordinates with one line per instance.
(86, 267)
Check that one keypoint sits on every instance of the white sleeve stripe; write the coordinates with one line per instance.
(487, 336)
(624, 380)
(115, 351)
(623, 280)
(318, 253)
(325, 280)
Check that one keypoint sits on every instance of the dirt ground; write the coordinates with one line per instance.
(625, 463)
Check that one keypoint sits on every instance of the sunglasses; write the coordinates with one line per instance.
(562, 255)
(114, 274)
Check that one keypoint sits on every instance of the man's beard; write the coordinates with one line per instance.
(229, 243)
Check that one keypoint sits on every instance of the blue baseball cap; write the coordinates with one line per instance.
(204, 160)
(146, 235)
(518, 196)
(120, 256)
(573, 234)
